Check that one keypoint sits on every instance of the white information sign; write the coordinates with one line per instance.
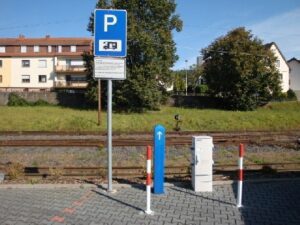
(110, 68)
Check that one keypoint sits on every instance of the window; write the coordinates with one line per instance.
(42, 63)
(42, 78)
(36, 48)
(1, 78)
(202, 81)
(0, 63)
(23, 49)
(59, 48)
(25, 78)
(2, 49)
(49, 48)
(277, 63)
(281, 76)
(73, 48)
(76, 78)
(77, 62)
(25, 63)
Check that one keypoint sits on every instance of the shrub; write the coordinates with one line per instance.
(15, 170)
(56, 173)
(41, 102)
(16, 100)
(291, 95)
(202, 89)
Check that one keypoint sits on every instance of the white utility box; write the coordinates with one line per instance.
(202, 163)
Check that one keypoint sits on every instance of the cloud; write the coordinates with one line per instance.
(284, 29)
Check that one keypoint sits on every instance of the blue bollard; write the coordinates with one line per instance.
(159, 158)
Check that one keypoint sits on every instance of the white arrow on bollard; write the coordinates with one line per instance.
(159, 134)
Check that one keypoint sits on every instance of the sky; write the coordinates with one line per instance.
(203, 22)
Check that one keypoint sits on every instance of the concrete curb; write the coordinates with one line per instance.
(120, 186)
(45, 186)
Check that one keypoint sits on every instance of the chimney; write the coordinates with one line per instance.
(21, 36)
(47, 36)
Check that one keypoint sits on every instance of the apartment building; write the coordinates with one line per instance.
(42, 64)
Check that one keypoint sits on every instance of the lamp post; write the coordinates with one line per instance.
(186, 77)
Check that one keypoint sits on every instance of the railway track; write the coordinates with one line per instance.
(140, 172)
(143, 139)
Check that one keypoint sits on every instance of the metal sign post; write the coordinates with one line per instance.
(110, 43)
(109, 133)
(99, 102)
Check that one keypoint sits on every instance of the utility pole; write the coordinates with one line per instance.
(186, 77)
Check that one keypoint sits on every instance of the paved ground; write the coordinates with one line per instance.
(264, 203)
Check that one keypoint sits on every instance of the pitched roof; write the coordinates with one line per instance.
(269, 45)
(46, 41)
(42, 54)
(294, 59)
(21, 40)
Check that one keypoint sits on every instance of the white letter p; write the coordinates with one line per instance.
(109, 23)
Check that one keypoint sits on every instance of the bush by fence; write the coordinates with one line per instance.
(43, 98)
(197, 102)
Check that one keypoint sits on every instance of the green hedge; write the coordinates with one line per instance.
(16, 100)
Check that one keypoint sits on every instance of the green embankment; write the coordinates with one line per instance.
(275, 117)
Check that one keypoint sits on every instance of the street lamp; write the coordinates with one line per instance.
(186, 77)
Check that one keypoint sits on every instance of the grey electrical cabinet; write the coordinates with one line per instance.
(202, 163)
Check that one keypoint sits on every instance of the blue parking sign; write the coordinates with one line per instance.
(110, 33)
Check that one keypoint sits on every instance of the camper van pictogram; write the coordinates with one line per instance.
(110, 45)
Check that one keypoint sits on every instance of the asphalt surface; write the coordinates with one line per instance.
(275, 202)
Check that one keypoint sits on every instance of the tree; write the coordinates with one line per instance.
(241, 71)
(193, 74)
(178, 81)
(150, 52)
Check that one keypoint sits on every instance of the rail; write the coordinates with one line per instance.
(144, 141)
(170, 171)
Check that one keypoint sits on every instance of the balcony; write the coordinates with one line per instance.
(69, 69)
(70, 84)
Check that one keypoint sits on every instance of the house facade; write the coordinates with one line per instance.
(5, 72)
(33, 73)
(42, 64)
(281, 65)
(294, 65)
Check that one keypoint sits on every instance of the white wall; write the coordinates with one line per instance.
(283, 69)
(34, 71)
(295, 75)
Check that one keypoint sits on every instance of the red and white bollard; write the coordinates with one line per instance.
(240, 176)
(149, 180)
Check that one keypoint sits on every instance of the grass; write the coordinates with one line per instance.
(274, 116)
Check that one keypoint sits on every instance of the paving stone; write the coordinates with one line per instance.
(264, 203)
